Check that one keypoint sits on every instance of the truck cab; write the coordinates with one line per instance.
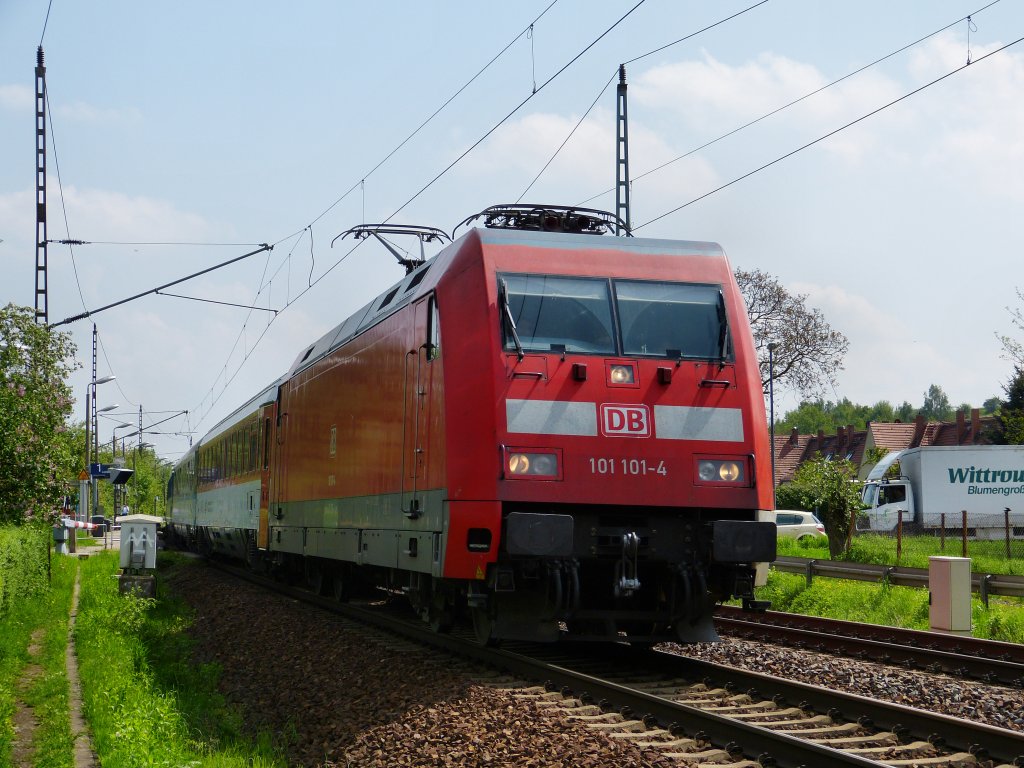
(884, 497)
(883, 500)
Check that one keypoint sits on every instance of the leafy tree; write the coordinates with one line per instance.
(808, 417)
(35, 400)
(812, 415)
(144, 492)
(875, 454)
(936, 405)
(990, 406)
(829, 489)
(808, 352)
(905, 412)
(1009, 427)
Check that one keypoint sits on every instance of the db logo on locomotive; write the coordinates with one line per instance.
(619, 420)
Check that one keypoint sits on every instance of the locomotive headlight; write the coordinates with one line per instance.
(531, 465)
(727, 471)
(519, 463)
(621, 374)
(545, 464)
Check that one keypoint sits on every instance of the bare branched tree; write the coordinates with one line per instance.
(1011, 346)
(808, 352)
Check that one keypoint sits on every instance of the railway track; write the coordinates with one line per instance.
(703, 713)
(963, 657)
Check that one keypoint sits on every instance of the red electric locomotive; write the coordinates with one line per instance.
(554, 432)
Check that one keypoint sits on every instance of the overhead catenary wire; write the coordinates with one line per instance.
(90, 313)
(46, 22)
(507, 117)
(794, 102)
(361, 184)
(612, 78)
(820, 139)
(313, 283)
(570, 135)
(60, 188)
(175, 243)
(362, 181)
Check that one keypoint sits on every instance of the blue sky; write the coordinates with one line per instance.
(241, 123)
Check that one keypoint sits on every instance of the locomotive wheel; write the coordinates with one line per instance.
(317, 578)
(483, 627)
(439, 612)
(339, 585)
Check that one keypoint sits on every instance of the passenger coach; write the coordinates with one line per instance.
(553, 432)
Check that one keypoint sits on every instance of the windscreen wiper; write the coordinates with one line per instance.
(723, 328)
(507, 311)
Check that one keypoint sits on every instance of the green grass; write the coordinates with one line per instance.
(884, 604)
(986, 556)
(889, 605)
(146, 702)
(44, 614)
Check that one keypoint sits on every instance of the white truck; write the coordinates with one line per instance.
(936, 484)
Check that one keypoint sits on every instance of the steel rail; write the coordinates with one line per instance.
(986, 660)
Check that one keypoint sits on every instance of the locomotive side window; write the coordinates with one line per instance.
(671, 319)
(556, 313)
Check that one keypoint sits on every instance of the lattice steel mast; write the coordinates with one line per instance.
(42, 309)
(622, 155)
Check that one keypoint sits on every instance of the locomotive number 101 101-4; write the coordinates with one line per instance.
(619, 466)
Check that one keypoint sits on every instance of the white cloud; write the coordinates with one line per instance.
(714, 97)
(890, 360)
(972, 128)
(104, 215)
(582, 167)
(81, 112)
(16, 98)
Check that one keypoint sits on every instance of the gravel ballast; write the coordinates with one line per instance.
(339, 695)
(335, 693)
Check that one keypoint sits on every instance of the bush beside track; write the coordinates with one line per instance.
(23, 563)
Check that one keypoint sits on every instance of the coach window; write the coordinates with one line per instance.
(570, 314)
(266, 443)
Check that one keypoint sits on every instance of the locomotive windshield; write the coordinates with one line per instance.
(554, 313)
(603, 316)
(669, 319)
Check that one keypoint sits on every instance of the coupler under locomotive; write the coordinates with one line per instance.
(596, 578)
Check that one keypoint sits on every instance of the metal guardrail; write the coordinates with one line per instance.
(984, 584)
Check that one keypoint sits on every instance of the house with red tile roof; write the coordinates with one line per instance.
(855, 445)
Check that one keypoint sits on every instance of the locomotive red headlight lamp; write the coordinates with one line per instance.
(722, 471)
(532, 464)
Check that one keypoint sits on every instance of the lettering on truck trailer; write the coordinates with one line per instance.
(972, 476)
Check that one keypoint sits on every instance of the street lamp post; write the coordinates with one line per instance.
(90, 439)
(135, 476)
(113, 456)
(772, 346)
